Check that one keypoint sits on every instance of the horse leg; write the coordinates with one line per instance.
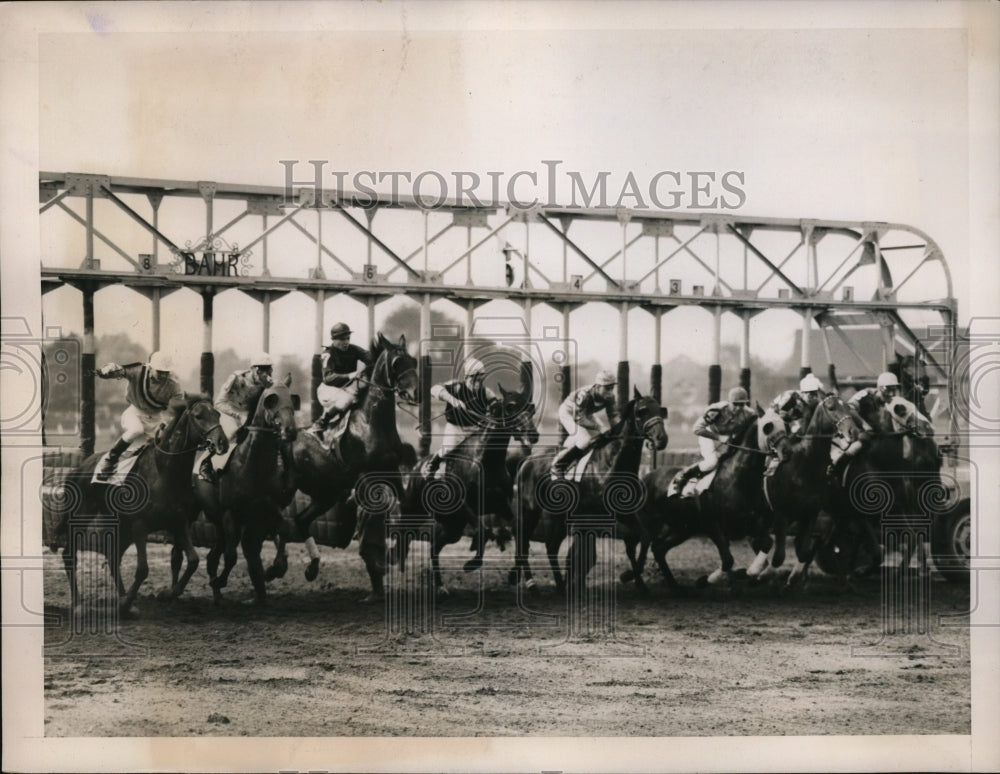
(69, 564)
(762, 545)
(187, 545)
(805, 550)
(279, 566)
(721, 542)
(479, 546)
(230, 538)
(141, 571)
(552, 552)
(636, 563)
(372, 551)
(176, 558)
(253, 539)
(302, 522)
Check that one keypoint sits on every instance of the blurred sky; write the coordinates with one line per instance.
(822, 121)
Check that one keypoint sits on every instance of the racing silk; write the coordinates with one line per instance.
(238, 394)
(587, 401)
(142, 393)
(794, 410)
(339, 365)
(477, 402)
(871, 392)
(722, 419)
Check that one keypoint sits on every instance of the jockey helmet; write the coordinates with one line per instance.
(262, 360)
(474, 367)
(340, 331)
(160, 361)
(810, 383)
(606, 379)
(887, 379)
(738, 395)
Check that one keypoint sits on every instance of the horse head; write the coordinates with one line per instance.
(516, 412)
(833, 418)
(648, 419)
(276, 411)
(395, 369)
(870, 411)
(202, 425)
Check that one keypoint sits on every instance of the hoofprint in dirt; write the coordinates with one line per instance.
(316, 662)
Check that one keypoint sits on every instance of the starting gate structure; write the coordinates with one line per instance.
(158, 236)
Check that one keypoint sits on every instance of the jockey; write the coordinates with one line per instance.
(713, 429)
(151, 387)
(886, 388)
(795, 407)
(468, 401)
(341, 370)
(895, 411)
(236, 398)
(577, 416)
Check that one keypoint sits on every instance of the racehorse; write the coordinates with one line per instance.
(255, 485)
(156, 495)
(476, 483)
(612, 470)
(732, 506)
(369, 443)
(799, 488)
(899, 463)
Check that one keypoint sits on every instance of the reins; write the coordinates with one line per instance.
(196, 447)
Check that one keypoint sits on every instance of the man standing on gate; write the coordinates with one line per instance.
(341, 370)
(151, 387)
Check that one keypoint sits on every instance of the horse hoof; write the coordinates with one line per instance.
(627, 577)
(270, 574)
(312, 571)
(473, 564)
(443, 592)
(166, 595)
(702, 582)
(217, 583)
(512, 578)
(374, 597)
(127, 613)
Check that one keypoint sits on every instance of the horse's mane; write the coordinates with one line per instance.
(178, 406)
(747, 432)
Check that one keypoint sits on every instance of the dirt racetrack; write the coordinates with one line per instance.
(316, 662)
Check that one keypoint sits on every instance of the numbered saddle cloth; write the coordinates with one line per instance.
(124, 465)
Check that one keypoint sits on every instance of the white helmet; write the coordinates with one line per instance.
(160, 361)
(262, 359)
(810, 383)
(887, 379)
(606, 378)
(473, 367)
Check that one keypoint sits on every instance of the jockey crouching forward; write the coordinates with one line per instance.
(468, 401)
(237, 396)
(341, 370)
(714, 429)
(577, 415)
(151, 387)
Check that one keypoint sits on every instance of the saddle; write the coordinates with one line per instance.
(693, 487)
(124, 465)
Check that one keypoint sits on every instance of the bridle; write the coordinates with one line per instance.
(391, 386)
(204, 443)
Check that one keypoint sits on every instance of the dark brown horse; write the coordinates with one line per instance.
(476, 484)
(732, 507)
(896, 474)
(156, 495)
(256, 483)
(799, 488)
(369, 444)
(544, 507)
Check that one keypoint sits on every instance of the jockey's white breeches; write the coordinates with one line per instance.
(341, 398)
(136, 423)
(579, 433)
(710, 452)
(230, 424)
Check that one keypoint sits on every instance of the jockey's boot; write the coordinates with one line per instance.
(681, 479)
(207, 470)
(114, 453)
(323, 422)
(563, 460)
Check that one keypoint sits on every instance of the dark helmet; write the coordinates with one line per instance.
(340, 331)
